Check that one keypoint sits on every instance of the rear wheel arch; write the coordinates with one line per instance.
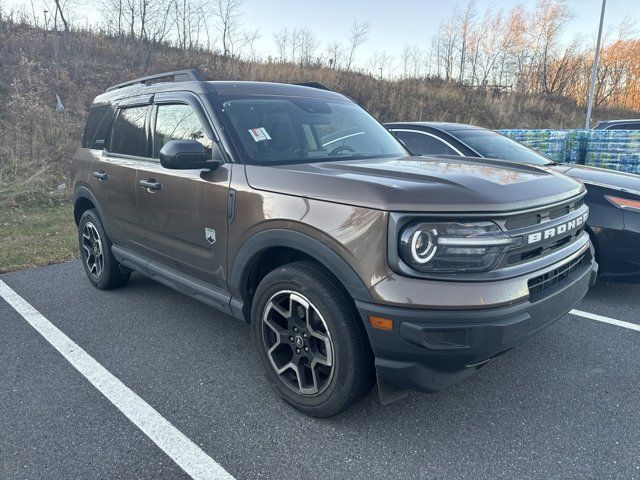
(270, 249)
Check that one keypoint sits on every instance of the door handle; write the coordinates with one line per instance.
(101, 175)
(150, 184)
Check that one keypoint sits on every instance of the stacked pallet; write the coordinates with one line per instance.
(576, 146)
(614, 149)
(551, 143)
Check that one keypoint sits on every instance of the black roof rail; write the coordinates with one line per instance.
(314, 85)
(178, 76)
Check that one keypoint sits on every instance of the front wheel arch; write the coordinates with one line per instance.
(261, 243)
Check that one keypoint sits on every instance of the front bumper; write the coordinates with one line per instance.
(429, 350)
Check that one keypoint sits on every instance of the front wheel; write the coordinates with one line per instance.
(101, 267)
(311, 342)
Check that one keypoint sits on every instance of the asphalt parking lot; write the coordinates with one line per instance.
(564, 405)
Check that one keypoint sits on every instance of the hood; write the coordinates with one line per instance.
(627, 182)
(419, 184)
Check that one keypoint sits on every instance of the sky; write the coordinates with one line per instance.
(394, 24)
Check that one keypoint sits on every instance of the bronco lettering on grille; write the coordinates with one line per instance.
(557, 230)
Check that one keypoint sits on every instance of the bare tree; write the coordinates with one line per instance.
(294, 44)
(465, 31)
(550, 18)
(518, 53)
(405, 61)
(417, 61)
(227, 14)
(59, 11)
(154, 19)
(281, 40)
(617, 70)
(490, 45)
(357, 36)
(380, 63)
(112, 12)
(309, 44)
(335, 54)
(446, 42)
(247, 42)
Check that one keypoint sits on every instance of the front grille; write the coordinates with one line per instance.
(536, 218)
(522, 225)
(556, 277)
(530, 254)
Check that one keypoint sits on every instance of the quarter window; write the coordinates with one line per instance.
(423, 144)
(179, 122)
(95, 131)
(129, 136)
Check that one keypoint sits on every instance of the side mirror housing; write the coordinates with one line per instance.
(187, 155)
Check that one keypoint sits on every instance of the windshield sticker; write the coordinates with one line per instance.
(259, 134)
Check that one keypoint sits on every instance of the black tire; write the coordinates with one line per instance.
(352, 373)
(104, 274)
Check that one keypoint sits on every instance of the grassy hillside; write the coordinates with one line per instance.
(36, 65)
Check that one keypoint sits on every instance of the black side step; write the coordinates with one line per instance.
(212, 296)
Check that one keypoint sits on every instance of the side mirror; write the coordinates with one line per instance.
(186, 155)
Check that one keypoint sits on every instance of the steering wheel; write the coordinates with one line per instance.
(341, 148)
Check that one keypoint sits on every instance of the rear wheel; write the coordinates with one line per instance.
(101, 267)
(311, 342)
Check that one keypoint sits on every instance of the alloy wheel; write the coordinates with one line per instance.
(93, 250)
(298, 343)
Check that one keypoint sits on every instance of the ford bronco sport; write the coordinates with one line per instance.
(291, 208)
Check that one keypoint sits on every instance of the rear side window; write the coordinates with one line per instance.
(97, 126)
(423, 144)
(179, 122)
(129, 136)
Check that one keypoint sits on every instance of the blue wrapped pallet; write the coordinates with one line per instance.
(551, 143)
(614, 149)
(576, 146)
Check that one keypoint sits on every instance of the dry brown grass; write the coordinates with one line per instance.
(36, 236)
(36, 143)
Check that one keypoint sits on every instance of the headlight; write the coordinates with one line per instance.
(449, 247)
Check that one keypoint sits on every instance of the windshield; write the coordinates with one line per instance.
(275, 130)
(493, 145)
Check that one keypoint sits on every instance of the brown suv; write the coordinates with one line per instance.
(290, 207)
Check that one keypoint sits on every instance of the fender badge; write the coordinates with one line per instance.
(210, 235)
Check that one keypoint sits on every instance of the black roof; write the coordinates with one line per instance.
(187, 80)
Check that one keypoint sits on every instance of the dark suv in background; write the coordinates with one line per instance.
(291, 208)
(624, 124)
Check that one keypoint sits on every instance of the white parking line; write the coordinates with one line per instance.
(611, 321)
(171, 441)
